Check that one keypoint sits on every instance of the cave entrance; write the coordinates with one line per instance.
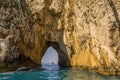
(55, 55)
(50, 58)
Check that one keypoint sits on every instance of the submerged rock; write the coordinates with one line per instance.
(84, 33)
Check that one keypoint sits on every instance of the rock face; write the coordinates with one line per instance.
(84, 33)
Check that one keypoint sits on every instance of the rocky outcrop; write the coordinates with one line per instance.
(15, 29)
(84, 33)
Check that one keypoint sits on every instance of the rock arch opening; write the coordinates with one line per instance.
(53, 54)
(50, 57)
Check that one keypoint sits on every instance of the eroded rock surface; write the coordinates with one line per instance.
(84, 33)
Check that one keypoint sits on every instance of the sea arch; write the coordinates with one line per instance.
(63, 59)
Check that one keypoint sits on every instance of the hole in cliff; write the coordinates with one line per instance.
(55, 55)
(50, 59)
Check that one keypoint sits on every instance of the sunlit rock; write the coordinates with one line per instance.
(84, 33)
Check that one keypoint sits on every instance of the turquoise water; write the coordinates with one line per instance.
(54, 73)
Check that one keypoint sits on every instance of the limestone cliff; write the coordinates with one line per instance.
(84, 33)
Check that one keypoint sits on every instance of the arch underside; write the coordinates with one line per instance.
(63, 59)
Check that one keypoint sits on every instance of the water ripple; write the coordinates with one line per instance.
(55, 74)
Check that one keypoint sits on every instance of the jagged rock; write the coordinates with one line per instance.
(84, 33)
(3, 50)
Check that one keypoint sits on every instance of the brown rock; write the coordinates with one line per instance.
(83, 32)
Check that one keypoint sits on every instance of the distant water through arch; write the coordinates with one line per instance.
(50, 59)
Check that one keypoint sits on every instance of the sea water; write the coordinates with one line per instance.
(55, 73)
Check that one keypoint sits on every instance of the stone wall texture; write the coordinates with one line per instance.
(85, 33)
